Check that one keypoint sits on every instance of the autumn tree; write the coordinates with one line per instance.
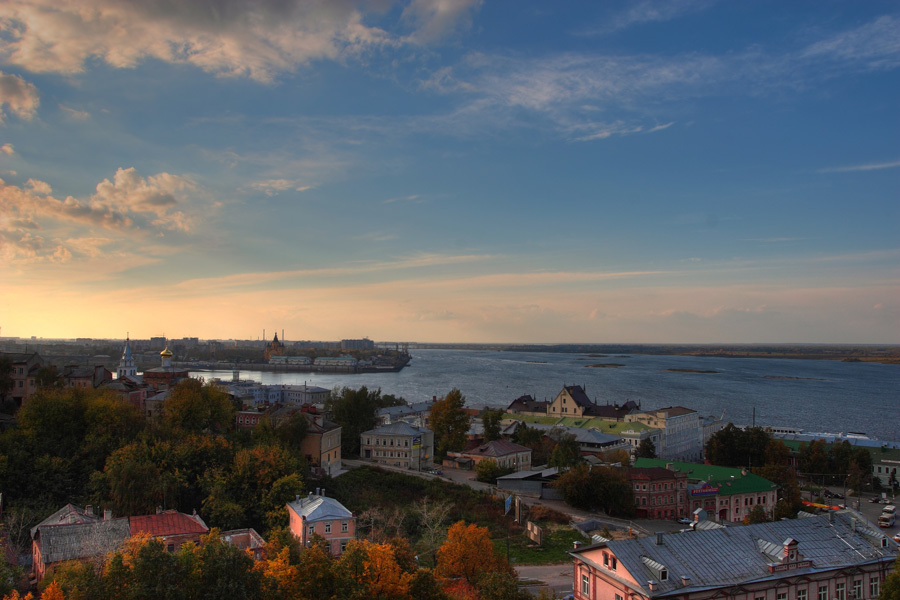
(355, 411)
(432, 519)
(450, 423)
(370, 571)
(891, 588)
(756, 515)
(467, 553)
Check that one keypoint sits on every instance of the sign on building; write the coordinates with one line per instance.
(534, 532)
(417, 442)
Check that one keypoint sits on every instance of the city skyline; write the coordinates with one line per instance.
(627, 172)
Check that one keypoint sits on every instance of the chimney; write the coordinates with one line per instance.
(853, 524)
(670, 466)
(659, 538)
(323, 492)
(652, 585)
(88, 509)
(297, 498)
(685, 581)
(317, 491)
(577, 545)
(107, 514)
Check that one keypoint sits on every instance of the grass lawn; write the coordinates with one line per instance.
(558, 540)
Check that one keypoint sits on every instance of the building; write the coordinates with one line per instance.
(74, 533)
(682, 437)
(23, 372)
(172, 527)
(829, 557)
(573, 401)
(273, 348)
(318, 515)
(527, 405)
(659, 493)
(725, 493)
(289, 361)
(127, 368)
(399, 444)
(86, 377)
(417, 414)
(508, 455)
(166, 375)
(322, 444)
(363, 344)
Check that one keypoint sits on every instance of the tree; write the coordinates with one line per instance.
(490, 419)
(646, 449)
(467, 553)
(567, 453)
(370, 571)
(756, 515)
(48, 376)
(734, 447)
(195, 406)
(354, 411)
(450, 423)
(577, 487)
(487, 471)
(891, 588)
(6, 380)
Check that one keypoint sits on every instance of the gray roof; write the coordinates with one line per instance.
(398, 428)
(82, 540)
(405, 409)
(319, 508)
(738, 555)
(582, 436)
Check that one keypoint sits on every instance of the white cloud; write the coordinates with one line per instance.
(874, 45)
(75, 114)
(271, 187)
(7, 149)
(19, 96)
(259, 40)
(866, 167)
(650, 11)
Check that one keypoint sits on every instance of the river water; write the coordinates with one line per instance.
(816, 395)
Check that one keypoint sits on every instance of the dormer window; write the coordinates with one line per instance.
(663, 574)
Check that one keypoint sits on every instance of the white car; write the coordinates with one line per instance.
(897, 538)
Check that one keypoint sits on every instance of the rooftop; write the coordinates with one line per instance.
(730, 481)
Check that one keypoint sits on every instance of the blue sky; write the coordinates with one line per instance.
(438, 170)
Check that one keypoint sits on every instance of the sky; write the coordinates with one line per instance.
(687, 171)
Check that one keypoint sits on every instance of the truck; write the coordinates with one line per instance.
(888, 515)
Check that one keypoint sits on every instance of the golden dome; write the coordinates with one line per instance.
(166, 353)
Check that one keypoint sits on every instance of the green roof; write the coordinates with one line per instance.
(729, 480)
(602, 425)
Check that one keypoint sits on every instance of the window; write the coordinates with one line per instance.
(781, 596)
(612, 563)
(840, 592)
(344, 526)
(801, 594)
(585, 585)
(857, 589)
(873, 587)
(823, 592)
(327, 527)
(664, 575)
(606, 560)
(311, 530)
(618, 597)
(170, 547)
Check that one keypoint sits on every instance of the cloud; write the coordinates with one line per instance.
(867, 167)
(127, 205)
(7, 149)
(410, 198)
(271, 187)
(434, 19)
(649, 11)
(77, 115)
(871, 46)
(19, 96)
(259, 40)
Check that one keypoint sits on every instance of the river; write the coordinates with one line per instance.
(816, 395)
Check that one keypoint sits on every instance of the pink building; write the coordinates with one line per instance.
(318, 515)
(839, 556)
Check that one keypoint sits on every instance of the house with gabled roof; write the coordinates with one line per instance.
(508, 455)
(838, 556)
(573, 401)
(172, 527)
(399, 444)
(317, 515)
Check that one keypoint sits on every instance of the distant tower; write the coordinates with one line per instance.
(126, 365)
(274, 348)
(166, 356)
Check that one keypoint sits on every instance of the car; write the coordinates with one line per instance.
(897, 538)
(685, 521)
(875, 500)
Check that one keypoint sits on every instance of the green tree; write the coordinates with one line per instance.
(450, 423)
(490, 419)
(195, 406)
(734, 447)
(48, 376)
(891, 588)
(354, 411)
(577, 487)
(756, 515)
(646, 449)
(487, 471)
(567, 453)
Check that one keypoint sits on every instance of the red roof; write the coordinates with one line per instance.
(166, 523)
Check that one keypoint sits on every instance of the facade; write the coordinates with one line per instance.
(318, 515)
(273, 348)
(726, 494)
(166, 375)
(127, 368)
(322, 444)
(682, 431)
(527, 405)
(363, 344)
(289, 361)
(86, 378)
(828, 557)
(659, 493)
(417, 414)
(399, 444)
(508, 455)
(573, 401)
(23, 372)
(74, 533)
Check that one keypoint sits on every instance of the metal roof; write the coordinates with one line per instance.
(739, 555)
(398, 428)
(319, 508)
(81, 540)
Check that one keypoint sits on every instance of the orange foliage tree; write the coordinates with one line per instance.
(468, 553)
(370, 571)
